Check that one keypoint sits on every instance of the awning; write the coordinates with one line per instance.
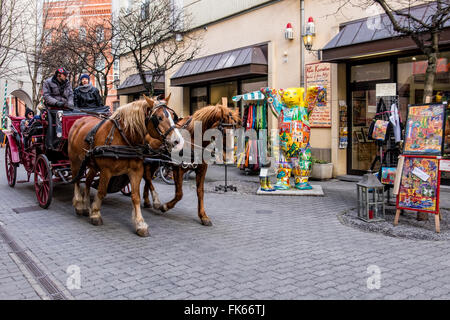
(243, 62)
(255, 95)
(133, 84)
(375, 35)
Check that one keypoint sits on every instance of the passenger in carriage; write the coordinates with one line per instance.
(29, 116)
(86, 96)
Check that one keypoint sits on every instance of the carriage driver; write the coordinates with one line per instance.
(57, 90)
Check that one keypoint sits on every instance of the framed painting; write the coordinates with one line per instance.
(424, 133)
(419, 186)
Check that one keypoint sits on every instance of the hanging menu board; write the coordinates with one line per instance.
(319, 74)
(419, 186)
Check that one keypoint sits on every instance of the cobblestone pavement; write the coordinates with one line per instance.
(258, 248)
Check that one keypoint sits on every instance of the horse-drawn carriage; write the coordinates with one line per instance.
(41, 148)
(108, 154)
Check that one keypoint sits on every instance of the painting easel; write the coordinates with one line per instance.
(398, 185)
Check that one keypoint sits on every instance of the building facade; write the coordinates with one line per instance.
(245, 48)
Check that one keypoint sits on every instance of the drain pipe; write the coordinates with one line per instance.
(302, 51)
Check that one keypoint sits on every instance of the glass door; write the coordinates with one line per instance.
(363, 150)
(362, 107)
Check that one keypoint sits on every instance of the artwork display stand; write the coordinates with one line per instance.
(410, 190)
(417, 184)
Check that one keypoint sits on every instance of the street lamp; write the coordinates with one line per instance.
(308, 37)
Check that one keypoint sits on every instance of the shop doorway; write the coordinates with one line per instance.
(362, 107)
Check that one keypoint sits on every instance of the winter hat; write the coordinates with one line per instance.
(84, 76)
(62, 70)
(28, 110)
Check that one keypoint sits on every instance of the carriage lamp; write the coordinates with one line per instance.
(59, 116)
(370, 195)
(289, 32)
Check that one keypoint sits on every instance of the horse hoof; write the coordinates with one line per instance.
(86, 212)
(147, 205)
(157, 206)
(79, 212)
(143, 232)
(206, 222)
(164, 208)
(97, 221)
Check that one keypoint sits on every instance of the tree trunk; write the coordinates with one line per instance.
(428, 98)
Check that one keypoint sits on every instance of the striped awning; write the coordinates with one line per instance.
(255, 95)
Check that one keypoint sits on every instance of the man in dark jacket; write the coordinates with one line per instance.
(57, 90)
(86, 96)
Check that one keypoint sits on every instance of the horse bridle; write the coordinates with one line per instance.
(155, 121)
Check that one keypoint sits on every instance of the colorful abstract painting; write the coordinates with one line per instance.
(424, 129)
(419, 184)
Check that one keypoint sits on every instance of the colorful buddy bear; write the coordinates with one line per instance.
(294, 132)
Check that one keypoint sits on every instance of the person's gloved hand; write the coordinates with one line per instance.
(60, 104)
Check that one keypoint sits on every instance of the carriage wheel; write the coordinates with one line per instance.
(43, 181)
(166, 173)
(126, 191)
(11, 168)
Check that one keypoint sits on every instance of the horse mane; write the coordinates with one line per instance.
(132, 116)
(210, 115)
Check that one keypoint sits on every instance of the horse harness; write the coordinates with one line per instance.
(128, 151)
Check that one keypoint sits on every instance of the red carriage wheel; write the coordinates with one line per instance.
(126, 191)
(43, 181)
(11, 168)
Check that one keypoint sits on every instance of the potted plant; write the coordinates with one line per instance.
(321, 169)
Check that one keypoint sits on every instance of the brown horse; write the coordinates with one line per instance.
(211, 117)
(135, 120)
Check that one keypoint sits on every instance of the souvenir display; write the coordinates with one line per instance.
(380, 129)
(294, 133)
(419, 186)
(388, 175)
(425, 129)
(255, 118)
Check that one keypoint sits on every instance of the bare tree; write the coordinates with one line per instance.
(155, 37)
(424, 30)
(34, 38)
(9, 9)
(97, 48)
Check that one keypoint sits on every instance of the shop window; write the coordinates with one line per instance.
(371, 72)
(225, 89)
(199, 98)
(411, 78)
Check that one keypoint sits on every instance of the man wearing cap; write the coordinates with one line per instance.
(57, 90)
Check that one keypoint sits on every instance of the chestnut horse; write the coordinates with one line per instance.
(135, 120)
(211, 117)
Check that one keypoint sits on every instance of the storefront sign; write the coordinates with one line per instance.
(386, 89)
(319, 74)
